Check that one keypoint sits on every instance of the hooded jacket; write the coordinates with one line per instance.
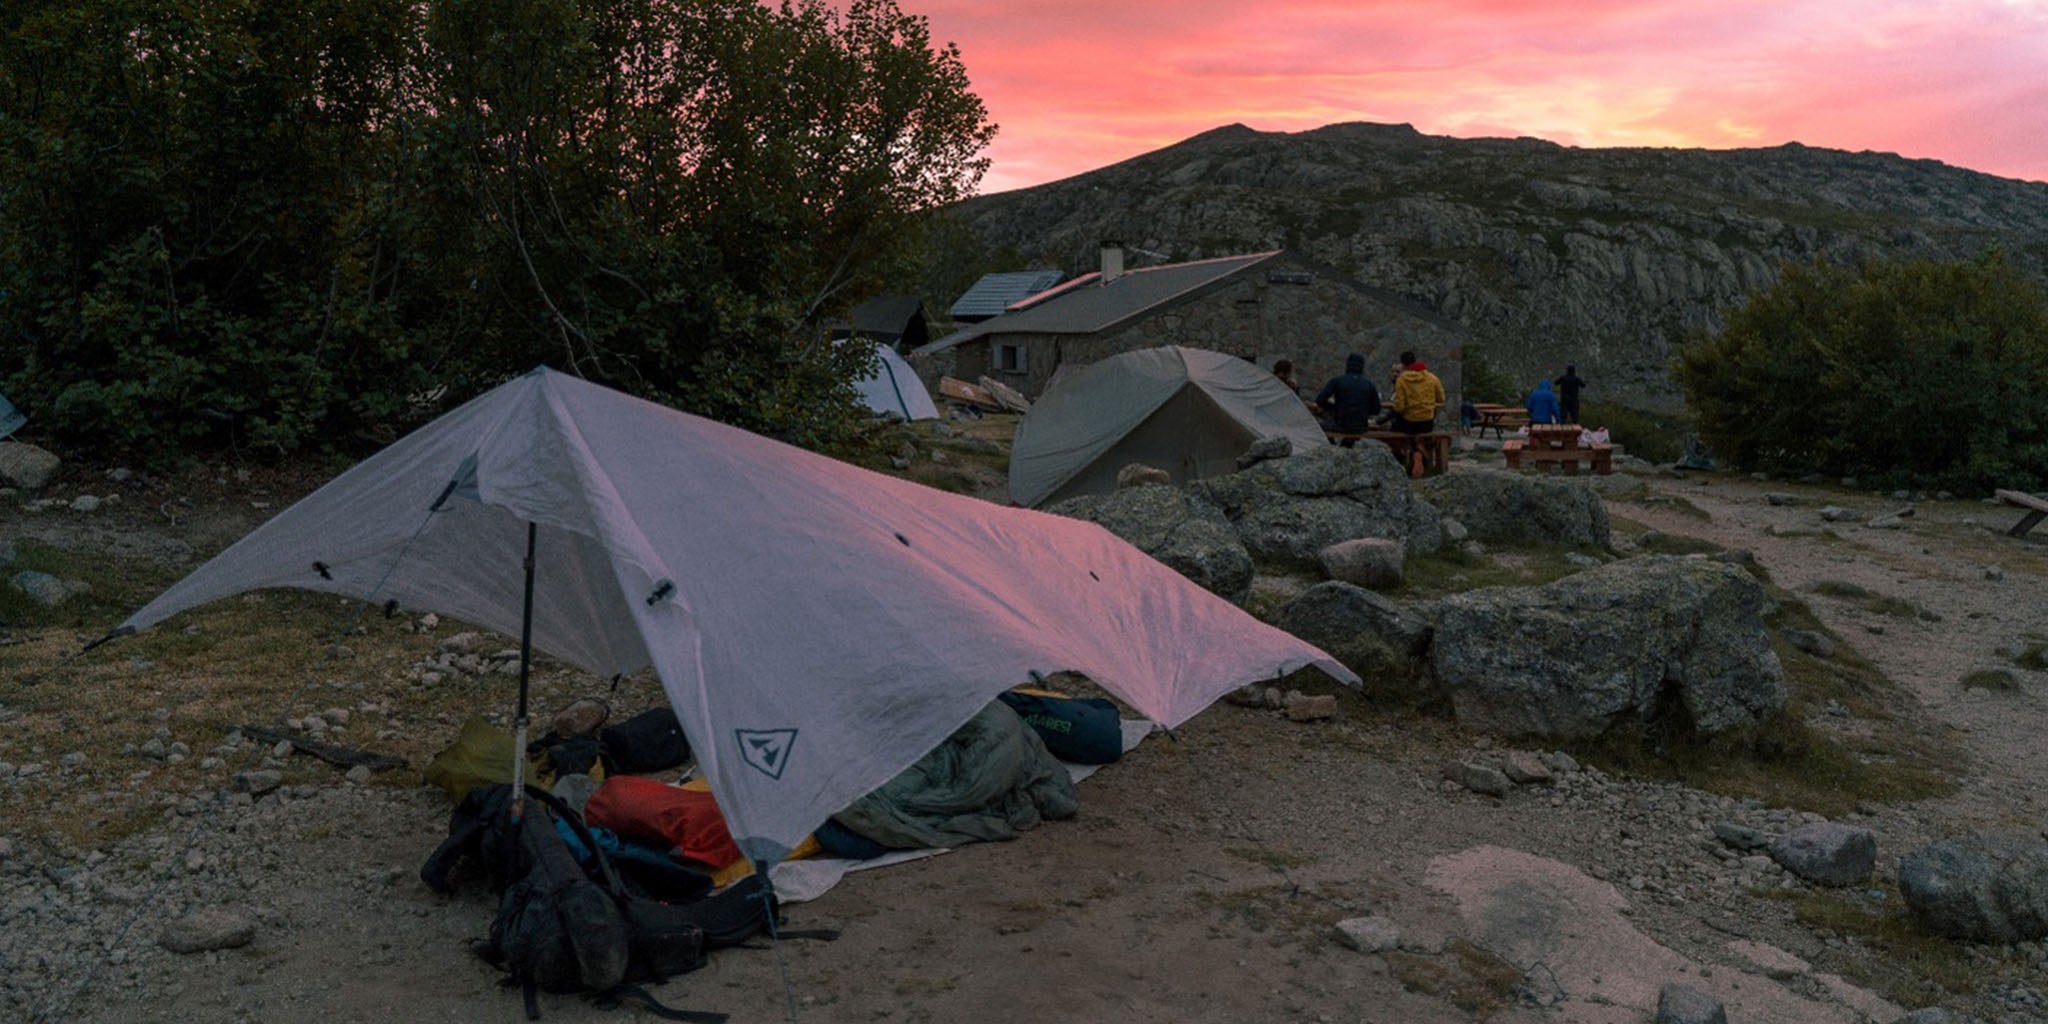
(1417, 393)
(1351, 399)
(1542, 404)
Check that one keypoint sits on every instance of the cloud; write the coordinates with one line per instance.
(1078, 85)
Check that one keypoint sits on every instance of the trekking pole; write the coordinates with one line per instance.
(525, 662)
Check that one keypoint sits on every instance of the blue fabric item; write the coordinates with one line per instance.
(839, 841)
(1351, 399)
(1084, 730)
(1543, 404)
(11, 418)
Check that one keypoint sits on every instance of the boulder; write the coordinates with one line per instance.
(42, 588)
(1631, 640)
(1385, 643)
(1264, 449)
(1371, 562)
(1979, 888)
(1677, 1004)
(1827, 853)
(1286, 511)
(26, 466)
(1137, 474)
(1497, 506)
(1176, 527)
(1478, 778)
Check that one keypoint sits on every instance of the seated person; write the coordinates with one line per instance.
(1283, 371)
(1542, 404)
(1418, 394)
(1350, 400)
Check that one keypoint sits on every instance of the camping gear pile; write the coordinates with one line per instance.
(617, 534)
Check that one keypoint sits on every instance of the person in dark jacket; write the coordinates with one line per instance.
(1542, 404)
(1351, 400)
(1568, 388)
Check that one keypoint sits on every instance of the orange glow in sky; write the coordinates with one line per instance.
(1075, 85)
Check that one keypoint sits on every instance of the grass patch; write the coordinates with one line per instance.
(118, 587)
(1271, 857)
(2034, 658)
(1449, 570)
(1911, 969)
(1867, 599)
(1996, 680)
(1889, 757)
(1467, 977)
(1678, 503)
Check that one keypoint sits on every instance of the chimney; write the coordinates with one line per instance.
(1112, 261)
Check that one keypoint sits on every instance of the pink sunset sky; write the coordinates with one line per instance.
(1076, 85)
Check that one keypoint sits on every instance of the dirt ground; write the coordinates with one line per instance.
(1200, 881)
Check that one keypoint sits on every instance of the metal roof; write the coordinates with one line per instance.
(1084, 307)
(994, 292)
(885, 315)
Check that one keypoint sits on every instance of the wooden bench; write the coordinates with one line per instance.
(2037, 510)
(1500, 419)
(1422, 454)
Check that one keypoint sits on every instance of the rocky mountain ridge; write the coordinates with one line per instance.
(1546, 253)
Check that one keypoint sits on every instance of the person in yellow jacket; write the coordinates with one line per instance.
(1417, 397)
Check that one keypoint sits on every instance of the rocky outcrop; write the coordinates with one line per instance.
(1385, 643)
(1546, 254)
(1496, 507)
(1286, 511)
(1978, 888)
(1629, 641)
(1182, 530)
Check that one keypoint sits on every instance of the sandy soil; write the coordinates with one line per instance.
(1201, 880)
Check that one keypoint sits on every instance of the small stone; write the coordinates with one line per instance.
(1890, 522)
(359, 775)
(1781, 498)
(1827, 853)
(1561, 762)
(1525, 768)
(74, 759)
(208, 930)
(259, 782)
(1740, 837)
(1835, 513)
(1816, 644)
(1677, 1004)
(283, 749)
(1993, 572)
(1477, 778)
(1311, 709)
(1583, 561)
(153, 748)
(1370, 934)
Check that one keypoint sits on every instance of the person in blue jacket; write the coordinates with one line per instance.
(1350, 400)
(1542, 404)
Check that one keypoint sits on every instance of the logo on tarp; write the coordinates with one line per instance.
(766, 749)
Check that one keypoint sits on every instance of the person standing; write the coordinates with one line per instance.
(1350, 400)
(1568, 388)
(1542, 404)
(1418, 394)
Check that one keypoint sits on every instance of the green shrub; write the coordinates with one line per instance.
(1916, 373)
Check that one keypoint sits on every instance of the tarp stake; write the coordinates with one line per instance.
(525, 665)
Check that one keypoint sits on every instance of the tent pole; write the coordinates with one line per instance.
(525, 663)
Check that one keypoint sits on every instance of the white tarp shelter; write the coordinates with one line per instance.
(1188, 411)
(894, 388)
(817, 626)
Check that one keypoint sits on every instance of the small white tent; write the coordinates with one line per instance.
(818, 627)
(1187, 411)
(894, 388)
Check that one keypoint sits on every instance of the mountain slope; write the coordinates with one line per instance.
(1547, 253)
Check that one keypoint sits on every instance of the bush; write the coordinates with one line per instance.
(1923, 374)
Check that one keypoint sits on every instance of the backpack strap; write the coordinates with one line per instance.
(607, 874)
(619, 995)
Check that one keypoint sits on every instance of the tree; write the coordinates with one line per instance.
(1923, 373)
(224, 222)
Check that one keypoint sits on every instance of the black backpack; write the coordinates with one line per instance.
(557, 928)
(650, 741)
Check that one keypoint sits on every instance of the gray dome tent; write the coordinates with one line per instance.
(1187, 411)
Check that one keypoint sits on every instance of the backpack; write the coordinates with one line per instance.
(650, 741)
(558, 929)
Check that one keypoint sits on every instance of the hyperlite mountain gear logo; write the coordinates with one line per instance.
(766, 749)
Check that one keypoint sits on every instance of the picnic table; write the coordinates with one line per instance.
(1554, 447)
(1500, 418)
